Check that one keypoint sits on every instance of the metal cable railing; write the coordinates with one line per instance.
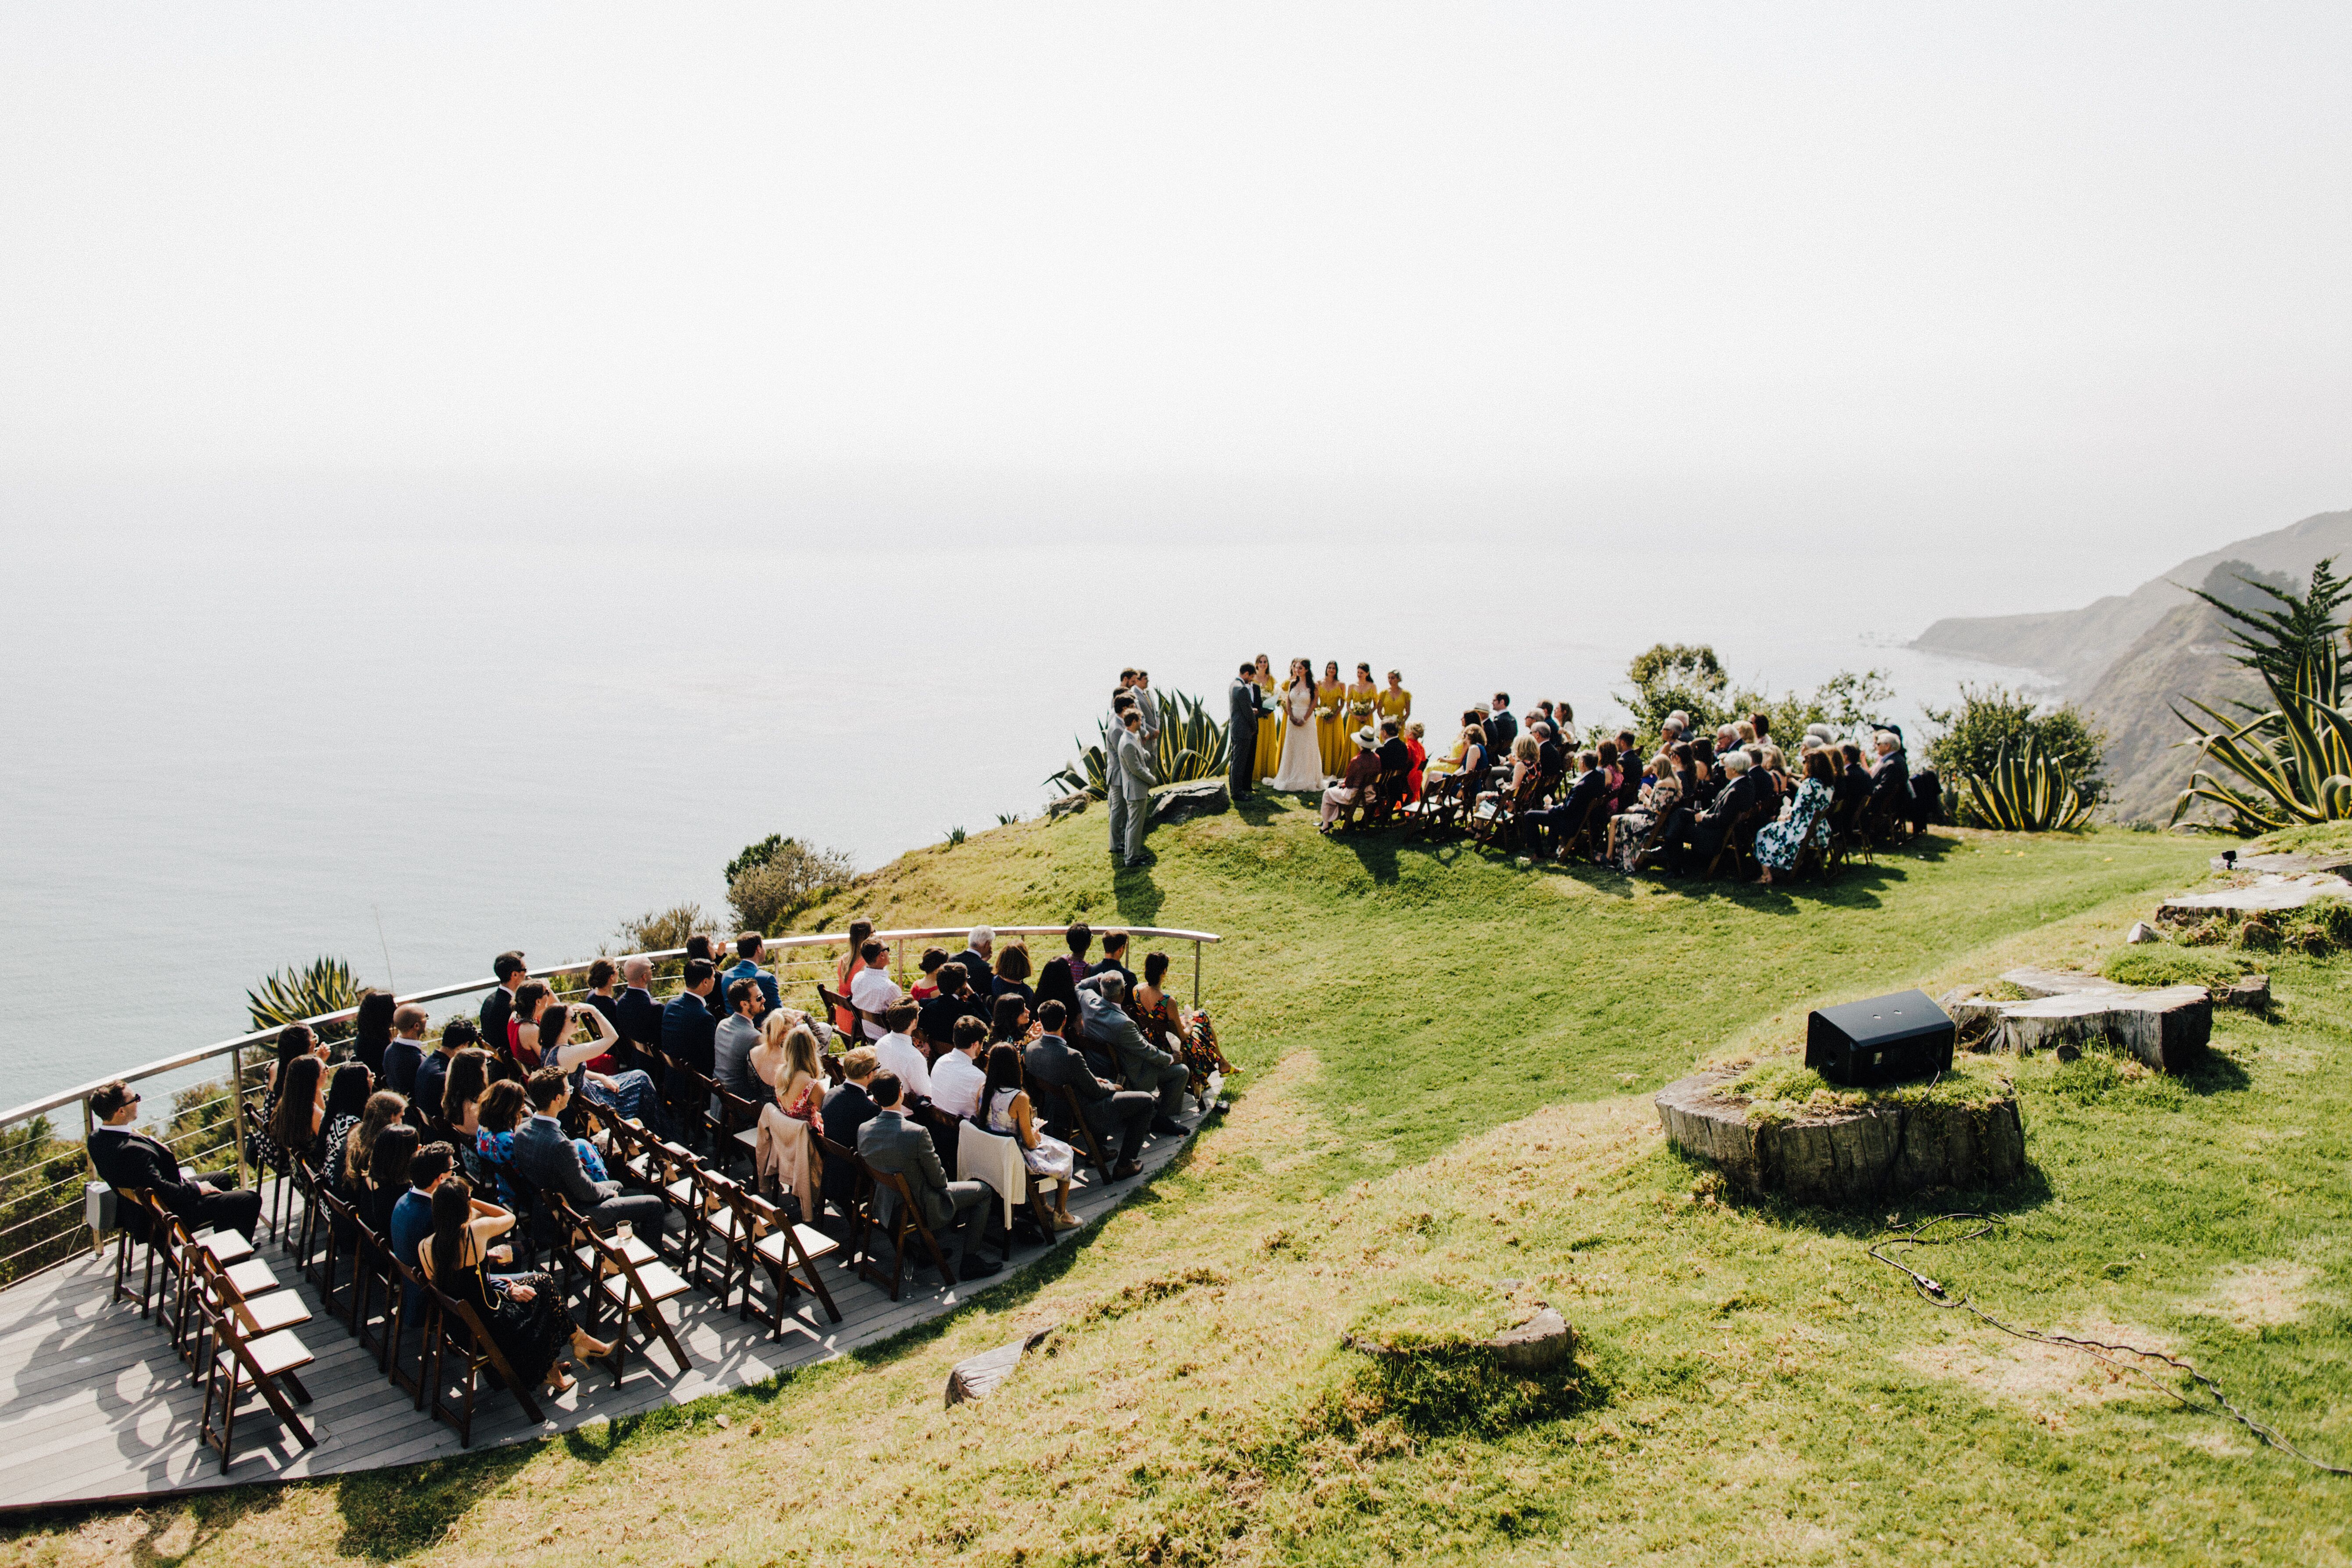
(44, 1174)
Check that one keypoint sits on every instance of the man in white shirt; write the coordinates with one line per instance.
(874, 993)
(956, 1077)
(895, 1053)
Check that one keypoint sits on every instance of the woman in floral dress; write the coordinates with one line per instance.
(1778, 843)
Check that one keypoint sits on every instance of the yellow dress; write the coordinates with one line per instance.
(1394, 705)
(1269, 735)
(1331, 735)
(1363, 704)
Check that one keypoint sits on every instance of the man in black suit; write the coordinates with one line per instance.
(1241, 732)
(127, 1160)
(1551, 754)
(1114, 960)
(1501, 730)
(957, 999)
(498, 1005)
(1745, 790)
(846, 1109)
(689, 1040)
(1547, 831)
(639, 1016)
(551, 1162)
(1890, 782)
(1111, 1112)
(979, 960)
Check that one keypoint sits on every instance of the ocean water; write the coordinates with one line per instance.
(245, 727)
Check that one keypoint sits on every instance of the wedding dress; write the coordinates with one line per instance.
(1302, 750)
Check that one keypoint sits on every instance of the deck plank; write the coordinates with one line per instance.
(94, 1404)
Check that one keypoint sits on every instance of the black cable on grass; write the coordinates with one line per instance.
(1936, 1294)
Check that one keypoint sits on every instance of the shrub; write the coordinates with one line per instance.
(657, 930)
(2291, 763)
(1993, 719)
(786, 879)
(1667, 677)
(288, 995)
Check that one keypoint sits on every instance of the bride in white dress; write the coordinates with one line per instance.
(1302, 753)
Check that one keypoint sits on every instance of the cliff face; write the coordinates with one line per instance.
(2128, 658)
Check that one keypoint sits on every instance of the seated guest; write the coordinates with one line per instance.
(530, 997)
(954, 1212)
(1058, 981)
(897, 1054)
(524, 1312)
(372, 1028)
(1742, 791)
(956, 1073)
(1781, 845)
(387, 1177)
(1140, 1063)
(1009, 1114)
(569, 1038)
(1396, 760)
(348, 1085)
(406, 1051)
(1363, 773)
(498, 1005)
(978, 959)
(737, 1036)
(496, 1119)
(640, 1018)
(1164, 1023)
(462, 1095)
(300, 1114)
(956, 1000)
(1707, 775)
(688, 1035)
(1776, 772)
(347, 1159)
(1630, 780)
(1114, 958)
(1890, 778)
(1629, 830)
(412, 1216)
(1013, 974)
(782, 1152)
(1549, 831)
(1416, 738)
(1502, 729)
(926, 988)
(1010, 1023)
(846, 1109)
(1853, 780)
(433, 1072)
(872, 992)
(604, 996)
(553, 1163)
(750, 948)
(767, 1057)
(1110, 1111)
(132, 1161)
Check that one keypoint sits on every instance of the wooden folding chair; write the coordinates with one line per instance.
(372, 1265)
(227, 1250)
(466, 1338)
(132, 1203)
(905, 1219)
(629, 1276)
(1082, 1137)
(412, 1304)
(762, 1242)
(245, 1349)
(838, 1157)
(340, 1225)
(274, 1214)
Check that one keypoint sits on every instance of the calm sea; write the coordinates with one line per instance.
(246, 726)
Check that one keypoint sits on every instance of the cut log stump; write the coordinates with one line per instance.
(2268, 894)
(2168, 1028)
(1848, 1157)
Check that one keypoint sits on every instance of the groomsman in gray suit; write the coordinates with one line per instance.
(1122, 703)
(1131, 782)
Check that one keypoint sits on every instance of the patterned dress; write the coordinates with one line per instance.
(1777, 844)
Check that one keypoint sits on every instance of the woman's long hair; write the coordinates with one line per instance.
(469, 1072)
(347, 1092)
(501, 1106)
(553, 1024)
(1155, 969)
(294, 1040)
(383, 1108)
(297, 1096)
(1003, 1072)
(1300, 669)
(387, 1169)
(452, 1205)
(1009, 1008)
(373, 1027)
(800, 1055)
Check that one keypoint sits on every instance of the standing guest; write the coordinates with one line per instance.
(1395, 703)
(1331, 720)
(405, 1054)
(845, 975)
(1008, 1113)
(301, 1112)
(897, 1055)
(750, 947)
(1363, 702)
(433, 1072)
(926, 988)
(1363, 773)
(639, 1018)
(1140, 1062)
(132, 1161)
(955, 1074)
(1110, 1111)
(1501, 727)
(1012, 972)
(372, 1028)
(1416, 746)
(1131, 803)
(872, 992)
(1115, 772)
(953, 1211)
(737, 1036)
(1245, 701)
(348, 1088)
(979, 958)
(498, 1005)
(1147, 701)
(847, 1108)
(524, 1312)
(553, 1162)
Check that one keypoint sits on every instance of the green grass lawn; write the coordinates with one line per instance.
(1445, 1115)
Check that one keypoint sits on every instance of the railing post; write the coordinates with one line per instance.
(97, 1242)
(901, 962)
(1196, 974)
(236, 1103)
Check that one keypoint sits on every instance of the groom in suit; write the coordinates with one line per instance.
(1130, 806)
(1241, 732)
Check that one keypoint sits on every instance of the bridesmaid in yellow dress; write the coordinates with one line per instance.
(1269, 731)
(1363, 698)
(1395, 702)
(1331, 693)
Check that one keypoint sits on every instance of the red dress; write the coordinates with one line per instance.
(1419, 754)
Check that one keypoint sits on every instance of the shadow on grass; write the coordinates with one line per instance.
(2028, 1192)
(213, 1513)
(1139, 898)
(392, 1514)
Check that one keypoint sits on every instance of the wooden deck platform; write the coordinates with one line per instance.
(95, 1406)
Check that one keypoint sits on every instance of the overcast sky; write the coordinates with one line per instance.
(2067, 279)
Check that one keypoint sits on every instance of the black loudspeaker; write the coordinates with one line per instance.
(1883, 1040)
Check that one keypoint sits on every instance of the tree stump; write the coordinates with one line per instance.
(1846, 1156)
(2268, 894)
(2169, 1030)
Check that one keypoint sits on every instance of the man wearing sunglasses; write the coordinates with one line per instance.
(133, 1160)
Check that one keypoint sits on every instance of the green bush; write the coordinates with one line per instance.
(657, 930)
(1668, 677)
(776, 878)
(1993, 719)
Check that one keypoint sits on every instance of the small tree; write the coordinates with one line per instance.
(779, 878)
(1688, 678)
(2291, 634)
(1991, 720)
(659, 931)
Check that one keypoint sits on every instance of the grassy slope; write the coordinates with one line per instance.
(1450, 1063)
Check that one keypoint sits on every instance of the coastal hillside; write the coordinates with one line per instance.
(2129, 659)
(1444, 1116)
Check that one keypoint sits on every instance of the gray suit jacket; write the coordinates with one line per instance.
(547, 1161)
(888, 1142)
(730, 1057)
(1149, 701)
(1139, 1059)
(1133, 779)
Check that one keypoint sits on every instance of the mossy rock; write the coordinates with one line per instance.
(1847, 1147)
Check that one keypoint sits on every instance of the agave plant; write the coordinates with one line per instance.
(1190, 745)
(322, 985)
(2026, 791)
(2292, 764)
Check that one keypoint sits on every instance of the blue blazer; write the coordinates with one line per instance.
(688, 1031)
(744, 969)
